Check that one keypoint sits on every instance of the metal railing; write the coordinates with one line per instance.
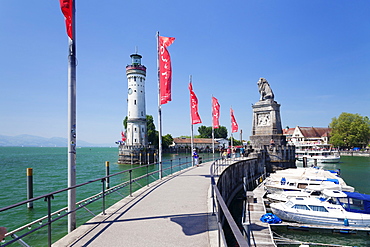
(219, 206)
(52, 217)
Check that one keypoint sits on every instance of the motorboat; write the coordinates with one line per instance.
(309, 191)
(298, 179)
(332, 208)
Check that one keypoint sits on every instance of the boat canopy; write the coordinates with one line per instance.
(360, 203)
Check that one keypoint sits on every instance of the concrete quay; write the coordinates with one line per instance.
(174, 211)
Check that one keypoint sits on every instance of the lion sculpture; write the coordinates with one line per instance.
(265, 90)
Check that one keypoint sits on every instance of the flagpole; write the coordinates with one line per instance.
(192, 131)
(72, 126)
(213, 131)
(159, 115)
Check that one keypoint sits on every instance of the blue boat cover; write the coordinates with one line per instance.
(363, 197)
(270, 218)
(334, 180)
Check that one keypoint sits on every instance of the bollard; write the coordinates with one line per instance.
(148, 158)
(132, 156)
(29, 187)
(304, 161)
(140, 158)
(107, 174)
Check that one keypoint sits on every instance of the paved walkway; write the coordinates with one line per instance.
(174, 211)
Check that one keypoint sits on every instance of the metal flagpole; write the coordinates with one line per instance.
(192, 130)
(159, 115)
(213, 131)
(72, 125)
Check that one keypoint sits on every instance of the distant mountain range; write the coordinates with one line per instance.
(37, 141)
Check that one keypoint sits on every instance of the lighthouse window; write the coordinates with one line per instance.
(135, 102)
(135, 129)
(135, 140)
(134, 78)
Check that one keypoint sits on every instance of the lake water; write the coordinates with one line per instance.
(50, 174)
(50, 169)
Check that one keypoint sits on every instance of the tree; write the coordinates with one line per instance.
(235, 142)
(167, 140)
(152, 133)
(350, 130)
(206, 132)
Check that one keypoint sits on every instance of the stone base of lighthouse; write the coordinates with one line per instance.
(136, 154)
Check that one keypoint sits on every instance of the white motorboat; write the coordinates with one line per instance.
(334, 208)
(297, 179)
(309, 191)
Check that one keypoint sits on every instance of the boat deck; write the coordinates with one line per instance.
(260, 233)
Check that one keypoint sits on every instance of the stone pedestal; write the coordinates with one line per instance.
(266, 126)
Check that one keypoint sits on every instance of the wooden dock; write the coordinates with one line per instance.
(260, 233)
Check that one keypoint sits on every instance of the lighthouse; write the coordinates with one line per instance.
(136, 132)
(136, 149)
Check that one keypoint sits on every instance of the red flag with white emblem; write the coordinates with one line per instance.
(195, 118)
(215, 113)
(234, 125)
(165, 69)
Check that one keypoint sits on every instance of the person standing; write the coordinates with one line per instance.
(196, 157)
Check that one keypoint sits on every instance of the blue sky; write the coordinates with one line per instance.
(315, 55)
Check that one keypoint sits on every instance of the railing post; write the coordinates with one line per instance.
(130, 182)
(107, 173)
(171, 167)
(29, 187)
(103, 195)
(147, 175)
(48, 200)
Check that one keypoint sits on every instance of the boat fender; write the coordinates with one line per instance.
(346, 223)
(270, 219)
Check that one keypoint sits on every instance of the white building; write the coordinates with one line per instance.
(136, 114)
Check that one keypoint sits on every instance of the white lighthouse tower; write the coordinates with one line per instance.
(135, 149)
(136, 115)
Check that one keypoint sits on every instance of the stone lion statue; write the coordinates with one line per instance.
(264, 89)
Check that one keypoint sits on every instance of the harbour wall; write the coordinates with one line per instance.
(355, 153)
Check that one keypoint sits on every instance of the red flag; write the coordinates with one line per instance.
(123, 136)
(165, 70)
(234, 125)
(195, 118)
(215, 113)
(67, 6)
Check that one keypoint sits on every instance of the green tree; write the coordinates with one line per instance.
(206, 132)
(152, 133)
(167, 140)
(235, 142)
(350, 130)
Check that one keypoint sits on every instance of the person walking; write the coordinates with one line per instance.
(196, 157)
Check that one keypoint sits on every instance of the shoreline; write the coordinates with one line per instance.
(355, 153)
